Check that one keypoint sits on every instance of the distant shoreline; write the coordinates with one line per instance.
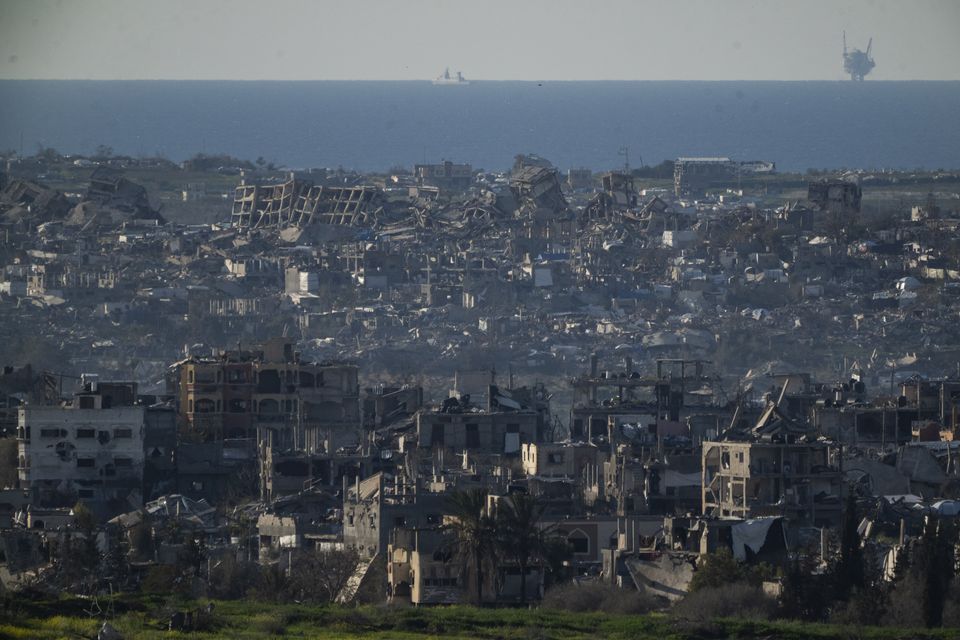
(374, 125)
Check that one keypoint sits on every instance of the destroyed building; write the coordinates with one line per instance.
(458, 428)
(779, 476)
(270, 394)
(422, 570)
(447, 176)
(383, 406)
(28, 204)
(19, 386)
(693, 174)
(419, 572)
(579, 178)
(835, 196)
(605, 400)
(110, 191)
(374, 506)
(284, 472)
(537, 188)
(91, 450)
(299, 203)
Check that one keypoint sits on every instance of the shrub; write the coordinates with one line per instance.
(721, 568)
(866, 607)
(951, 609)
(271, 584)
(904, 609)
(84, 518)
(230, 578)
(599, 597)
(806, 593)
(741, 600)
(319, 576)
(162, 579)
(208, 621)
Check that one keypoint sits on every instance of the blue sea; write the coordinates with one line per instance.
(378, 125)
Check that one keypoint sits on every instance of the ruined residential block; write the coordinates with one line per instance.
(375, 506)
(835, 195)
(753, 479)
(691, 174)
(446, 175)
(92, 454)
(481, 431)
(558, 459)
(297, 203)
(538, 188)
(270, 394)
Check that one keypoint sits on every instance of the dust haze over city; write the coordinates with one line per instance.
(456, 319)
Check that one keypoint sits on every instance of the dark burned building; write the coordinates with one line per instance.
(835, 196)
(693, 174)
(288, 472)
(108, 187)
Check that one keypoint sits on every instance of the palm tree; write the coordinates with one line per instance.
(521, 535)
(474, 533)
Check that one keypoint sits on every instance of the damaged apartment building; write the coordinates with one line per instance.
(446, 176)
(92, 449)
(654, 405)
(270, 394)
(692, 174)
(298, 414)
(300, 203)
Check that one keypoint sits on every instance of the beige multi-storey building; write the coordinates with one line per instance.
(799, 480)
(271, 394)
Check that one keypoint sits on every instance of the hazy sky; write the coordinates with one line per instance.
(486, 39)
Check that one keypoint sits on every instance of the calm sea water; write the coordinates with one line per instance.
(376, 125)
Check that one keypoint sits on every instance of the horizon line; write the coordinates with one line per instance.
(475, 80)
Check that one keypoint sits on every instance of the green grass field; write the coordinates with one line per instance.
(146, 617)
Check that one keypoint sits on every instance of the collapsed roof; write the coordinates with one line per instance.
(538, 188)
(29, 202)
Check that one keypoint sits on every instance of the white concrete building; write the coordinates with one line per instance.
(94, 455)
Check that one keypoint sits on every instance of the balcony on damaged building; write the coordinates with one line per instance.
(774, 474)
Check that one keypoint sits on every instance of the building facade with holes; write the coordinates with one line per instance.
(70, 454)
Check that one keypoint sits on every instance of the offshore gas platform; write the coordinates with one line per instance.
(857, 63)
